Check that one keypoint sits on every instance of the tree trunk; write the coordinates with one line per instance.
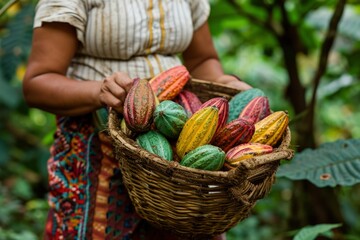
(310, 204)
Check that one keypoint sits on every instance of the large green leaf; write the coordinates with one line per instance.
(311, 232)
(336, 163)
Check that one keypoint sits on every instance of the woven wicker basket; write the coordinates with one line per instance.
(193, 203)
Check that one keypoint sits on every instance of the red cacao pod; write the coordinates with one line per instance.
(189, 101)
(139, 106)
(245, 151)
(233, 133)
(256, 110)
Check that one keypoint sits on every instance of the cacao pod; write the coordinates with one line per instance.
(168, 84)
(139, 106)
(271, 129)
(256, 109)
(233, 133)
(245, 151)
(223, 105)
(189, 101)
(240, 100)
(206, 157)
(198, 130)
(156, 143)
(170, 118)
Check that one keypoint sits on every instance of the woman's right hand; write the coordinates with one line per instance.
(113, 90)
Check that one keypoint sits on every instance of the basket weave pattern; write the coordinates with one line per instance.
(190, 202)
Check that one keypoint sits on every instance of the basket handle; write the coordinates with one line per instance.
(277, 155)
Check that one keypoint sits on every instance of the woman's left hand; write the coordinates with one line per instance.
(234, 82)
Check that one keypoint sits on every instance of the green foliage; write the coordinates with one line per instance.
(24, 134)
(331, 164)
(20, 220)
(247, 47)
(311, 232)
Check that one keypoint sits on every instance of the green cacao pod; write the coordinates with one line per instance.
(156, 143)
(169, 118)
(206, 157)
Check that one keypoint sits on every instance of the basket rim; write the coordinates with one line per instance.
(281, 152)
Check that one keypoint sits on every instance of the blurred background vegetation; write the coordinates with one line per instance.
(285, 47)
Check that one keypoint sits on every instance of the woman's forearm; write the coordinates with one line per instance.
(210, 69)
(58, 94)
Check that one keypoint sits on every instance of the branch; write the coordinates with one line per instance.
(326, 48)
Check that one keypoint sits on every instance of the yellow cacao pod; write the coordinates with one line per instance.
(271, 129)
(198, 130)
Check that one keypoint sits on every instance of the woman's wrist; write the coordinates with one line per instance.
(95, 94)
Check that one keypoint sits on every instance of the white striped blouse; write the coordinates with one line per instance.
(139, 37)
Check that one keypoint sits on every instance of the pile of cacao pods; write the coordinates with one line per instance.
(167, 120)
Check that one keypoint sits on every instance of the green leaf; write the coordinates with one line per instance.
(311, 232)
(336, 163)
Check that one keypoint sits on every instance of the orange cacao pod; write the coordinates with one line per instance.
(168, 84)
(139, 106)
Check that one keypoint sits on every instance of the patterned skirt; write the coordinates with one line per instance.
(87, 197)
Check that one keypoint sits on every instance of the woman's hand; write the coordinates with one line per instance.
(113, 90)
(234, 82)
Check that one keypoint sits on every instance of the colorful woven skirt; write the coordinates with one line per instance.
(87, 197)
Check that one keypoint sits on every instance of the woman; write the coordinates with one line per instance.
(84, 56)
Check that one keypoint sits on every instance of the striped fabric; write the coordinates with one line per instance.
(139, 37)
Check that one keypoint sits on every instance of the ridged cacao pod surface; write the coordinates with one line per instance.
(256, 110)
(206, 157)
(271, 129)
(156, 143)
(238, 102)
(189, 101)
(170, 118)
(139, 106)
(223, 105)
(245, 151)
(198, 130)
(233, 133)
(168, 84)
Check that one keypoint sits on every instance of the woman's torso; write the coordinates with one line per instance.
(140, 37)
